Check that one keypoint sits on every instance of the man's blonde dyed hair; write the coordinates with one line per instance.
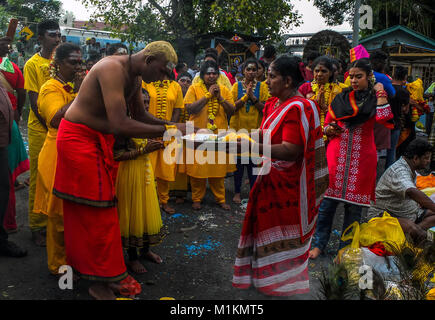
(161, 48)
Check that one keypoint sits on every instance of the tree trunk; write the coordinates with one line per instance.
(386, 15)
(186, 50)
(400, 14)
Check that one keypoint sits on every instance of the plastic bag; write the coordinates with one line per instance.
(351, 256)
(385, 229)
(385, 266)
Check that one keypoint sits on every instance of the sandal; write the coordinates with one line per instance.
(129, 287)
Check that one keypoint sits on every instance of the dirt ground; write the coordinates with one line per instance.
(197, 264)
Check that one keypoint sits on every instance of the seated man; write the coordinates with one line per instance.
(397, 193)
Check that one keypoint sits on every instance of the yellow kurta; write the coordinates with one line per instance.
(162, 170)
(138, 208)
(51, 99)
(248, 120)
(36, 73)
(200, 120)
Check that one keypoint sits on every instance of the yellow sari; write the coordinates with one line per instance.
(138, 207)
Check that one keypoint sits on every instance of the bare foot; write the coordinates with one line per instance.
(38, 238)
(236, 198)
(196, 206)
(168, 209)
(136, 266)
(225, 206)
(153, 257)
(102, 291)
(313, 254)
(179, 200)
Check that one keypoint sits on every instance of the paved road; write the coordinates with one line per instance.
(197, 263)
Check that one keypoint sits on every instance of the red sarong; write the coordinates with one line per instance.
(86, 171)
(85, 179)
(93, 244)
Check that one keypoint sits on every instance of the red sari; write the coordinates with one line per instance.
(273, 248)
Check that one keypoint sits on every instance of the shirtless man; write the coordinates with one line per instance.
(101, 103)
(109, 103)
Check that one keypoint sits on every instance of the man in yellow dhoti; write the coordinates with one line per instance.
(54, 98)
(36, 73)
(166, 102)
(209, 104)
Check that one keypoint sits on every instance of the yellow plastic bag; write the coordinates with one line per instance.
(385, 229)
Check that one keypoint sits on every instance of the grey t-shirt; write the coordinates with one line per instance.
(391, 193)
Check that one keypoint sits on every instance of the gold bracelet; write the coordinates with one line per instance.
(245, 98)
(208, 95)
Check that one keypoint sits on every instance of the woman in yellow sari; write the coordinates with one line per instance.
(322, 89)
(209, 104)
(180, 187)
(54, 99)
(166, 102)
(249, 96)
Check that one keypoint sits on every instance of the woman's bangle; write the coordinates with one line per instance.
(208, 95)
(245, 98)
(381, 93)
(170, 127)
(221, 100)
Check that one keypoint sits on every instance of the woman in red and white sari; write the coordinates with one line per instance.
(273, 248)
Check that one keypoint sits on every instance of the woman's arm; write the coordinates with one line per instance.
(196, 107)
(228, 106)
(55, 121)
(285, 151)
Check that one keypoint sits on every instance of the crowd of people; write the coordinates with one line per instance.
(99, 178)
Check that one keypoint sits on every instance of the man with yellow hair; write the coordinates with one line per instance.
(109, 102)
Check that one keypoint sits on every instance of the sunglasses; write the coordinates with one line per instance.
(54, 34)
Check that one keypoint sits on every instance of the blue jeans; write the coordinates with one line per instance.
(391, 153)
(352, 212)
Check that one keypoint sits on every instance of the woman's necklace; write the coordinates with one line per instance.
(212, 108)
(162, 97)
(66, 85)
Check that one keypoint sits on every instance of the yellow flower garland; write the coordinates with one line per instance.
(213, 108)
(330, 91)
(162, 97)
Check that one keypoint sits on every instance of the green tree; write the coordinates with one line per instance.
(4, 19)
(182, 21)
(414, 14)
(35, 11)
